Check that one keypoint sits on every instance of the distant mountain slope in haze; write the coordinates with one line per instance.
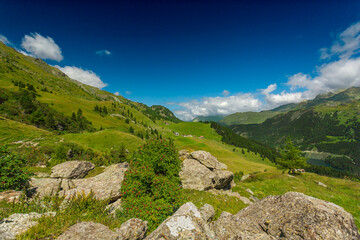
(216, 118)
(247, 117)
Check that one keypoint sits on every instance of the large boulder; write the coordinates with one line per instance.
(194, 175)
(104, 186)
(133, 229)
(72, 169)
(289, 216)
(18, 223)
(89, 231)
(208, 160)
(186, 223)
(10, 196)
(223, 179)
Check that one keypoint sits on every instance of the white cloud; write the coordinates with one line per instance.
(218, 106)
(85, 76)
(116, 93)
(274, 100)
(4, 40)
(225, 93)
(128, 92)
(346, 45)
(103, 52)
(42, 47)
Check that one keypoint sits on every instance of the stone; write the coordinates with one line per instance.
(223, 179)
(289, 216)
(321, 184)
(10, 196)
(88, 231)
(72, 169)
(207, 212)
(208, 160)
(19, 223)
(133, 229)
(244, 177)
(194, 175)
(185, 223)
(106, 185)
(249, 191)
(184, 154)
(113, 207)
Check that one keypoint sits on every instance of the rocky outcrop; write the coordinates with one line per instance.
(207, 212)
(72, 169)
(186, 223)
(208, 160)
(17, 224)
(133, 229)
(289, 216)
(104, 186)
(203, 172)
(10, 196)
(89, 231)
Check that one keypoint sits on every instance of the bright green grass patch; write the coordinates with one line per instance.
(11, 131)
(105, 140)
(344, 193)
(196, 129)
(219, 202)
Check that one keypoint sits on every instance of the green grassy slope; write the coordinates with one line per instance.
(247, 117)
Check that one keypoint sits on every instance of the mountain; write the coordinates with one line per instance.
(216, 118)
(329, 124)
(247, 117)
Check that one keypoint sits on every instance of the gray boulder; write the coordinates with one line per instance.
(133, 229)
(185, 223)
(208, 160)
(88, 231)
(207, 212)
(223, 179)
(194, 175)
(72, 169)
(18, 223)
(289, 216)
(10, 196)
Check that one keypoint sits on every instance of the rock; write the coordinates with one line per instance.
(133, 229)
(249, 191)
(184, 154)
(106, 185)
(185, 223)
(194, 175)
(19, 223)
(42, 174)
(112, 207)
(208, 160)
(207, 212)
(88, 231)
(223, 179)
(289, 216)
(244, 177)
(321, 184)
(72, 169)
(10, 196)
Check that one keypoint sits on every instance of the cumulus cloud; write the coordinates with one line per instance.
(116, 93)
(42, 47)
(346, 45)
(225, 93)
(218, 106)
(103, 52)
(128, 92)
(85, 76)
(4, 40)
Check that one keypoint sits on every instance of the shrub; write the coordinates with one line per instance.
(238, 176)
(12, 171)
(151, 189)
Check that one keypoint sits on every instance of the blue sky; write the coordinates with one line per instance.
(195, 57)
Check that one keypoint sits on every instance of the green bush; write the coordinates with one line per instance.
(151, 189)
(238, 176)
(13, 174)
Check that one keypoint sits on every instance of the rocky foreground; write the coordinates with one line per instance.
(289, 216)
